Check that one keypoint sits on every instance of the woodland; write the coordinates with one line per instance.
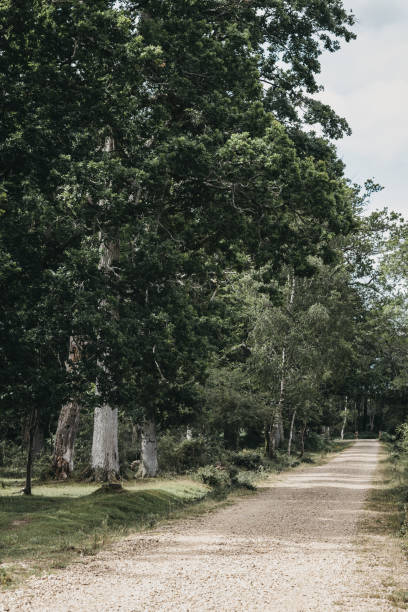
(188, 278)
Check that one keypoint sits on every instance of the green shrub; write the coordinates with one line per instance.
(386, 437)
(216, 477)
(315, 442)
(180, 455)
(247, 459)
(349, 435)
(244, 480)
(307, 459)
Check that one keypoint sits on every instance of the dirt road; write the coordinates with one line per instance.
(293, 547)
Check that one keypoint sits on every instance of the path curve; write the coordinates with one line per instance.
(291, 548)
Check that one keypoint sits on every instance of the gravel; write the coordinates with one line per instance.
(295, 546)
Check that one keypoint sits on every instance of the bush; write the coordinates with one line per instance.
(247, 459)
(180, 455)
(349, 436)
(386, 437)
(216, 477)
(220, 478)
(315, 442)
(306, 459)
(244, 480)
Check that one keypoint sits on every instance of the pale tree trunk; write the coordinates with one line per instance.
(32, 425)
(149, 465)
(105, 456)
(292, 424)
(344, 418)
(68, 425)
(302, 440)
(135, 435)
(371, 413)
(277, 431)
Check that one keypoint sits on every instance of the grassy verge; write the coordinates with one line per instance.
(385, 527)
(64, 521)
(388, 497)
(61, 522)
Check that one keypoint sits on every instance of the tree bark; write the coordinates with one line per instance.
(277, 431)
(105, 455)
(371, 413)
(30, 432)
(302, 440)
(67, 428)
(149, 465)
(344, 419)
(292, 424)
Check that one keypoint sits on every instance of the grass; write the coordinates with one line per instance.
(65, 521)
(389, 495)
(60, 522)
(384, 528)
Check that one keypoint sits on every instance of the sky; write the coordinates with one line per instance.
(367, 83)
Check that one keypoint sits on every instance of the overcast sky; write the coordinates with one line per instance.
(367, 82)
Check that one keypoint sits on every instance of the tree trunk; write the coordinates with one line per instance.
(105, 455)
(292, 424)
(344, 419)
(67, 429)
(135, 435)
(149, 465)
(371, 413)
(302, 441)
(30, 433)
(38, 442)
(267, 440)
(68, 425)
(365, 413)
(277, 434)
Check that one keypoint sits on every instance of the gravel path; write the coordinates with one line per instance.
(293, 547)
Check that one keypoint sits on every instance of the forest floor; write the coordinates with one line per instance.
(317, 539)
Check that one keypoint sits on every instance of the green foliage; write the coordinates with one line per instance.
(215, 476)
(387, 437)
(246, 287)
(315, 442)
(183, 455)
(247, 459)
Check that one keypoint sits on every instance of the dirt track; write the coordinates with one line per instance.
(293, 547)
